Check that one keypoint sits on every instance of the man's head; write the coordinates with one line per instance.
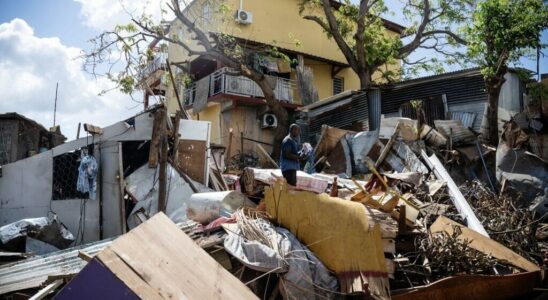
(294, 130)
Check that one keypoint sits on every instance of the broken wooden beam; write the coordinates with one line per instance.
(456, 196)
(92, 129)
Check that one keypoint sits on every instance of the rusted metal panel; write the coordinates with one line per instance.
(478, 287)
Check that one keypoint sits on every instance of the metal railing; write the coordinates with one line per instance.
(159, 63)
(223, 81)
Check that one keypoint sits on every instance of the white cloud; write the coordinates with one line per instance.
(105, 14)
(30, 66)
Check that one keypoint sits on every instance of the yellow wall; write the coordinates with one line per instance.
(212, 113)
(275, 22)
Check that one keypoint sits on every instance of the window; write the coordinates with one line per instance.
(65, 176)
(338, 85)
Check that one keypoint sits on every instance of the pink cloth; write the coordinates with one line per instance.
(305, 181)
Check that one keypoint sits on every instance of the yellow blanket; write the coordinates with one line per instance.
(338, 232)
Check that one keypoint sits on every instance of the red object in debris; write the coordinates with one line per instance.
(334, 188)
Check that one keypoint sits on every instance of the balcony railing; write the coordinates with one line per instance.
(159, 63)
(223, 82)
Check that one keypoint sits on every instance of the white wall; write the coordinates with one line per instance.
(26, 185)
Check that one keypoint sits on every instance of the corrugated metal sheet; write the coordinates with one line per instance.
(466, 118)
(477, 108)
(33, 272)
(374, 109)
(459, 88)
(432, 107)
(353, 116)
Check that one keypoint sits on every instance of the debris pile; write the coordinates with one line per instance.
(396, 213)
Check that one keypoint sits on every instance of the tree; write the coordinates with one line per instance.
(502, 32)
(359, 32)
(129, 44)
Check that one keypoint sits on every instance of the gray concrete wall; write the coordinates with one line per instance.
(26, 185)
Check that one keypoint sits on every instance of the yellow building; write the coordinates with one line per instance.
(233, 103)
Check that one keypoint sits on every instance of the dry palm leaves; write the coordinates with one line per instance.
(446, 255)
(505, 222)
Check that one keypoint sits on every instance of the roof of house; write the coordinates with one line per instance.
(476, 71)
(14, 115)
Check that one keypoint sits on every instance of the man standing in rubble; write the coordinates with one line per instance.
(290, 157)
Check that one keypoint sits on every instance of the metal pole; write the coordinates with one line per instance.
(55, 105)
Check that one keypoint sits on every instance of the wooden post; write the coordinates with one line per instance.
(402, 220)
(122, 188)
(228, 154)
(178, 116)
(163, 163)
(155, 140)
(78, 132)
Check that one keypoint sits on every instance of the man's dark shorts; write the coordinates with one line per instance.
(290, 176)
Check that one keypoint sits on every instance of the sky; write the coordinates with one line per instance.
(41, 42)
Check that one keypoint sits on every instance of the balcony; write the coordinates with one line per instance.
(151, 74)
(223, 82)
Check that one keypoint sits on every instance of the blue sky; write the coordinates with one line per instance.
(61, 18)
(40, 42)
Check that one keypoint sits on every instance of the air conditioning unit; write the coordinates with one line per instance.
(269, 121)
(244, 17)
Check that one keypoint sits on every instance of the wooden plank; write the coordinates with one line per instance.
(162, 182)
(153, 154)
(475, 287)
(47, 290)
(124, 272)
(170, 264)
(267, 156)
(83, 255)
(92, 129)
(483, 244)
(191, 159)
(386, 149)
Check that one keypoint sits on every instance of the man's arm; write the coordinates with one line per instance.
(289, 155)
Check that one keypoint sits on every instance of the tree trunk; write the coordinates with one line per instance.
(493, 93)
(267, 85)
(493, 86)
(365, 79)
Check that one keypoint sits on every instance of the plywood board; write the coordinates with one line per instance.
(159, 257)
(191, 159)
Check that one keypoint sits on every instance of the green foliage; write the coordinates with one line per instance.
(379, 49)
(127, 84)
(503, 31)
(537, 91)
